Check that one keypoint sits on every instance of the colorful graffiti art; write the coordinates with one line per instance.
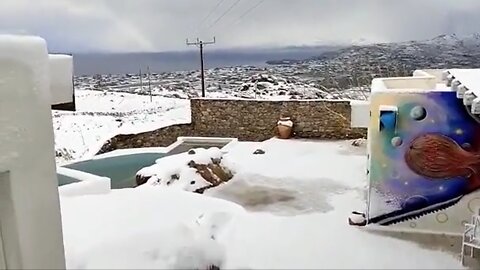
(423, 159)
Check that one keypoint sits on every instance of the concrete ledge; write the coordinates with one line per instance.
(87, 183)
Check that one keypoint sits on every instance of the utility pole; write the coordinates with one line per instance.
(141, 82)
(149, 83)
(200, 43)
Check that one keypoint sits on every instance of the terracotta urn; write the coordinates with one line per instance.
(284, 127)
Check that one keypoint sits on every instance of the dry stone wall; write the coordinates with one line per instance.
(252, 120)
(157, 138)
(256, 120)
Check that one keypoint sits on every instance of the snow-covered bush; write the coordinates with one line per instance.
(195, 170)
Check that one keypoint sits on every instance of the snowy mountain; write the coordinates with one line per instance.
(472, 40)
(451, 40)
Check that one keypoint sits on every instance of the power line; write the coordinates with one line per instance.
(219, 3)
(243, 15)
(224, 13)
(249, 10)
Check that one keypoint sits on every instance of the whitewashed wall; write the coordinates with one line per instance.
(31, 229)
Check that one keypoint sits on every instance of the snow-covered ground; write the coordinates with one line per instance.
(102, 115)
(108, 105)
(285, 209)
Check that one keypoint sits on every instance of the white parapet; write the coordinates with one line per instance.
(61, 78)
(30, 222)
(438, 74)
(360, 113)
(404, 84)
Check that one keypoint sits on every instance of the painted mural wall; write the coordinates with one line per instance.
(424, 162)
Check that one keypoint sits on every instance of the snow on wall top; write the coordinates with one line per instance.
(32, 52)
(61, 78)
(421, 81)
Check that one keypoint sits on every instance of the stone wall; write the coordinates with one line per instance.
(252, 120)
(157, 138)
(255, 120)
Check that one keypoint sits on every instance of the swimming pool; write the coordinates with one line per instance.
(120, 169)
(121, 166)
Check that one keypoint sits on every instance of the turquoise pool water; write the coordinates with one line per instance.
(65, 180)
(120, 169)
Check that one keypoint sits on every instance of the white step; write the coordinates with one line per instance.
(468, 98)
(476, 106)
(450, 79)
(444, 75)
(461, 89)
(455, 84)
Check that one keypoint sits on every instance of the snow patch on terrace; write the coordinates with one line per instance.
(142, 228)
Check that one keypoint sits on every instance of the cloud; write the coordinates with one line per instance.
(68, 25)
(158, 25)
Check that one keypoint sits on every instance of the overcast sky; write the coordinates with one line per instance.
(162, 25)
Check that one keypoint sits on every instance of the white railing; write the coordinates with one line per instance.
(471, 237)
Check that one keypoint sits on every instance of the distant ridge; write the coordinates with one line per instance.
(123, 63)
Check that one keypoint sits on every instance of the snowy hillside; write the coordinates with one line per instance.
(240, 82)
(469, 41)
(101, 115)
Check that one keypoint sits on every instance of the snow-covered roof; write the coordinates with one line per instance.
(466, 82)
